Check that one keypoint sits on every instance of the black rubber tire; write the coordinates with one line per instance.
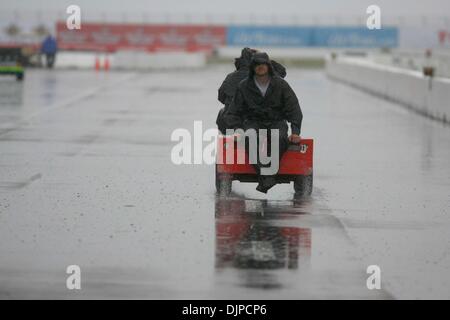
(223, 185)
(19, 76)
(303, 185)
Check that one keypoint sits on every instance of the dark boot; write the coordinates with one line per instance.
(265, 183)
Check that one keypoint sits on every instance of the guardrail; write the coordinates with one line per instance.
(425, 95)
(416, 60)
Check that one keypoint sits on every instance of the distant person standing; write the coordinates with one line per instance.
(49, 48)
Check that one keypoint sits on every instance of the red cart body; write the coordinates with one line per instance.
(295, 165)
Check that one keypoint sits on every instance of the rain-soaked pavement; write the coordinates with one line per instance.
(86, 178)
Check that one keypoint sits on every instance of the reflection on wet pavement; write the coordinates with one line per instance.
(11, 93)
(246, 239)
(258, 241)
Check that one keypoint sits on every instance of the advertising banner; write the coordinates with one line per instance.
(112, 37)
(269, 36)
(333, 37)
(354, 37)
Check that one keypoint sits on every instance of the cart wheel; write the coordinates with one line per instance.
(303, 185)
(223, 185)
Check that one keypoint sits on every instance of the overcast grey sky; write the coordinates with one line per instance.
(281, 7)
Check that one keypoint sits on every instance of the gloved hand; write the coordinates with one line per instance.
(294, 138)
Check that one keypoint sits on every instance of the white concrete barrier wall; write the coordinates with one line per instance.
(134, 60)
(160, 60)
(76, 60)
(440, 100)
(415, 59)
(230, 52)
(428, 96)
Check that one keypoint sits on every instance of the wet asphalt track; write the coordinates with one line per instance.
(86, 179)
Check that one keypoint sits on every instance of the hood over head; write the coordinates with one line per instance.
(260, 58)
(245, 58)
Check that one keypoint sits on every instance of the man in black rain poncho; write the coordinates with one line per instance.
(230, 84)
(264, 100)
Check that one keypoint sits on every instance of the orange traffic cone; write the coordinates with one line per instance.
(106, 65)
(97, 63)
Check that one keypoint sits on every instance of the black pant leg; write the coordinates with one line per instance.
(50, 60)
(253, 125)
(283, 140)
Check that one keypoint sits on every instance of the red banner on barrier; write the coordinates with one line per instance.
(111, 37)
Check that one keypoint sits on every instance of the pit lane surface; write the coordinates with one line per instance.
(86, 178)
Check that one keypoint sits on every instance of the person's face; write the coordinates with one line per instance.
(261, 69)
